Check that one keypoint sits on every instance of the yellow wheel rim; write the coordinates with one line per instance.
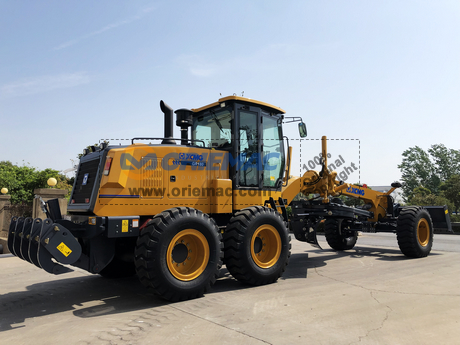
(423, 232)
(265, 246)
(187, 255)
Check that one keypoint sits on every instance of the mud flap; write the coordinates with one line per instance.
(42, 243)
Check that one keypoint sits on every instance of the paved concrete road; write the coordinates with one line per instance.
(369, 295)
(446, 243)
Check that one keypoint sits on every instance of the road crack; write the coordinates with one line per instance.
(387, 291)
(371, 292)
(220, 325)
(387, 315)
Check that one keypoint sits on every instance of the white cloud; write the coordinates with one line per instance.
(69, 43)
(41, 84)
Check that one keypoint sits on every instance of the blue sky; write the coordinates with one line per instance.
(384, 72)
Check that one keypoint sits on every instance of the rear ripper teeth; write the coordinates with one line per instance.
(40, 241)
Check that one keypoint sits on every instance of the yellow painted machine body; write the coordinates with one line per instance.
(378, 201)
(148, 179)
(325, 184)
(234, 159)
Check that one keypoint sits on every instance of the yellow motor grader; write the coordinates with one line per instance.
(173, 211)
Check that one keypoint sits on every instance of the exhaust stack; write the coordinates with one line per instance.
(168, 137)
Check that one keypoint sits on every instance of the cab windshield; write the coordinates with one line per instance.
(213, 127)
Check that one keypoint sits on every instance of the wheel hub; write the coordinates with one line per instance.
(258, 244)
(188, 254)
(423, 232)
(266, 246)
(180, 253)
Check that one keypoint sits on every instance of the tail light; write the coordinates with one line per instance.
(108, 164)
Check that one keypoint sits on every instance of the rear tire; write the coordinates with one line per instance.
(414, 232)
(179, 254)
(257, 246)
(337, 237)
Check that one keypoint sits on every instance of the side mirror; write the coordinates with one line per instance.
(302, 130)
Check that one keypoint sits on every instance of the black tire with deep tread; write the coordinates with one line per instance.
(237, 243)
(406, 232)
(339, 239)
(151, 249)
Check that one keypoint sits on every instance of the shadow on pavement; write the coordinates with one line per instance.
(89, 296)
(103, 296)
(360, 251)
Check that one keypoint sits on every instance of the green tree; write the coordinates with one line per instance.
(22, 180)
(422, 196)
(427, 169)
(451, 190)
(446, 161)
(417, 170)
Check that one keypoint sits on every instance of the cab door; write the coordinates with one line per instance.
(249, 167)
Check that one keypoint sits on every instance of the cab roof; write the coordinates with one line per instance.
(277, 110)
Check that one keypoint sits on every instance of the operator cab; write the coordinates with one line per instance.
(251, 132)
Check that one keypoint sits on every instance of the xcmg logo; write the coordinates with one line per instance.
(356, 191)
(191, 156)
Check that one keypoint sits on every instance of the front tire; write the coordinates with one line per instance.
(257, 246)
(414, 232)
(337, 236)
(179, 254)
